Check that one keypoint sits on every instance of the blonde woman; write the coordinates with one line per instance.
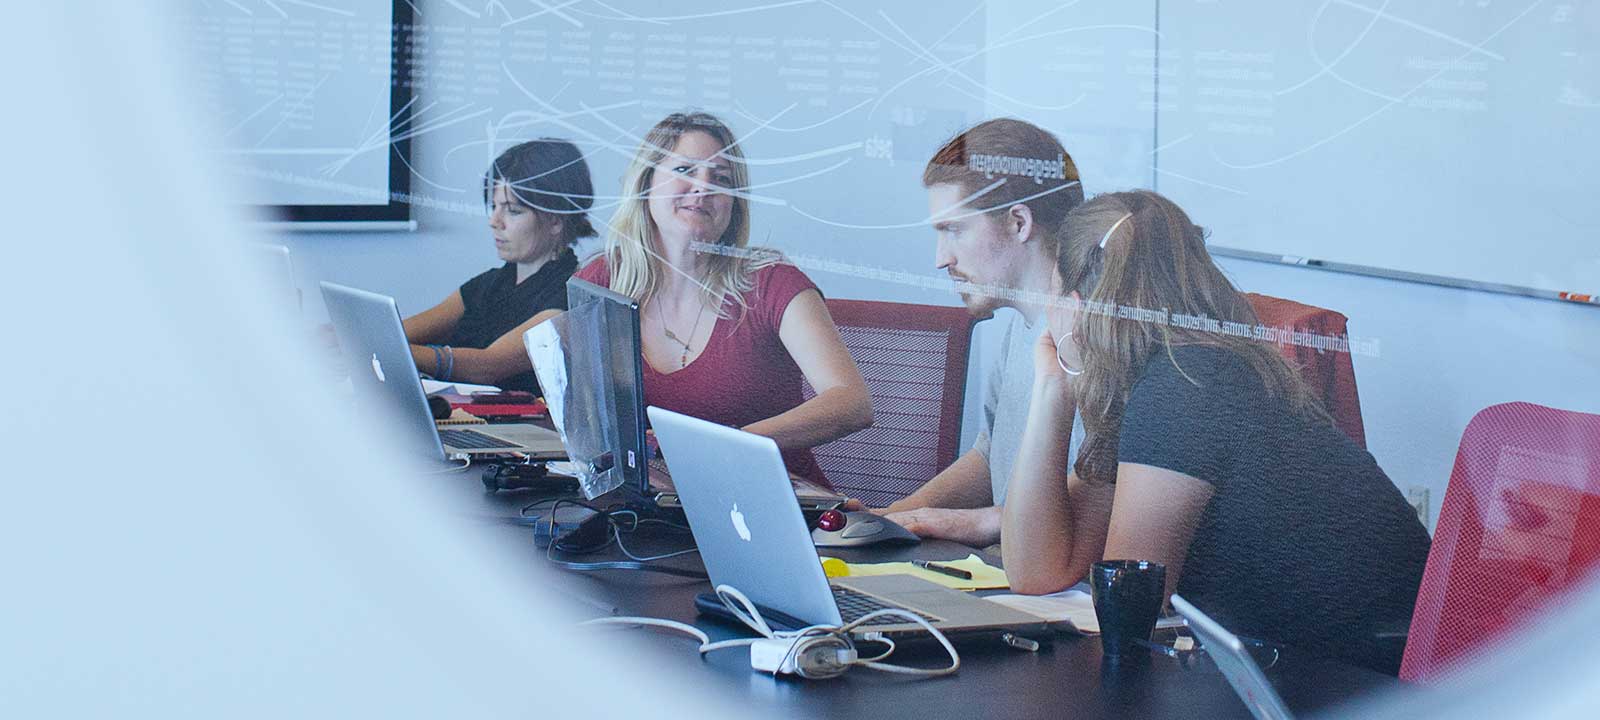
(1203, 451)
(728, 332)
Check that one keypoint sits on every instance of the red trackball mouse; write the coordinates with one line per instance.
(831, 521)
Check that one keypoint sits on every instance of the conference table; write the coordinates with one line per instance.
(1066, 678)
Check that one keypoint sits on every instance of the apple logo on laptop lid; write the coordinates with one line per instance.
(739, 525)
(377, 368)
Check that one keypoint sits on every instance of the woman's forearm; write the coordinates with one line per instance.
(472, 365)
(504, 357)
(832, 414)
(1036, 522)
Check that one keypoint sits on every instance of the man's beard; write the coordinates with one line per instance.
(980, 307)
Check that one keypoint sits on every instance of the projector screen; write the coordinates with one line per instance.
(306, 97)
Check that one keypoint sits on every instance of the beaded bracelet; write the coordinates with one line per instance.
(438, 362)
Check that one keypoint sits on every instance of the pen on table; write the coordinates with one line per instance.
(943, 569)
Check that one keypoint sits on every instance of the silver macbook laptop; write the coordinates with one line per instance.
(623, 357)
(751, 536)
(383, 373)
(1233, 659)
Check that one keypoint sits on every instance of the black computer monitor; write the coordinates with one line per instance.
(617, 353)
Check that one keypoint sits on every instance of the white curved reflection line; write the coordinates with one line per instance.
(1381, 109)
(1019, 26)
(1425, 30)
(739, 108)
(925, 222)
(1014, 101)
(1311, 45)
(547, 10)
(1197, 181)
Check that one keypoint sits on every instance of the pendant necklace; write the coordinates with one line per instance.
(683, 360)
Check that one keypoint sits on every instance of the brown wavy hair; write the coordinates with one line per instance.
(1049, 198)
(1154, 259)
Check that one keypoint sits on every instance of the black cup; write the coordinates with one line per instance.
(1127, 599)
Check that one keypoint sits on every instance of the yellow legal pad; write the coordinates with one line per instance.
(984, 575)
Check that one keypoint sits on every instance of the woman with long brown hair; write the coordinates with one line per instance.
(1203, 451)
(728, 331)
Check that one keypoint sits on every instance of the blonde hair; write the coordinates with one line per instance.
(1139, 249)
(632, 245)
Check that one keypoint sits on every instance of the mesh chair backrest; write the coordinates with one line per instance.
(1330, 372)
(914, 361)
(1520, 523)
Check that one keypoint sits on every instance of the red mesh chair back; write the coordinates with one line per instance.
(914, 360)
(1330, 373)
(1520, 524)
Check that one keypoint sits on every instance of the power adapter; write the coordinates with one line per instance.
(813, 657)
(816, 653)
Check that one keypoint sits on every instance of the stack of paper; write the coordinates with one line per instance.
(434, 387)
(1072, 605)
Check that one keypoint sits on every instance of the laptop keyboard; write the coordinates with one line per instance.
(853, 605)
(473, 440)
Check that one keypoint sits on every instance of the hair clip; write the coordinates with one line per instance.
(1113, 229)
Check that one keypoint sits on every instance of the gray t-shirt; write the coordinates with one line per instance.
(1005, 404)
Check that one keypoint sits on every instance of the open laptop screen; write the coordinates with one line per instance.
(384, 376)
(621, 362)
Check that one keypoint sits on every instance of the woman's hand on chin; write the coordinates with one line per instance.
(1048, 374)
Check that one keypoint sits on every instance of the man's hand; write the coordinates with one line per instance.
(979, 527)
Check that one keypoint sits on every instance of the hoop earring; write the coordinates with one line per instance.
(1069, 371)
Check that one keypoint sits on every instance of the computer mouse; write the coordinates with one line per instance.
(862, 528)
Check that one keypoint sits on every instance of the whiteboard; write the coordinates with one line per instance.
(1447, 139)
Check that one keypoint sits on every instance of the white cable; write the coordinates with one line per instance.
(725, 644)
(752, 617)
(685, 628)
(886, 653)
(955, 660)
(616, 532)
(742, 608)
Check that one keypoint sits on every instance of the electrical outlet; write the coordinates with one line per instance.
(1417, 496)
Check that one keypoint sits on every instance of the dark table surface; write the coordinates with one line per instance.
(1065, 679)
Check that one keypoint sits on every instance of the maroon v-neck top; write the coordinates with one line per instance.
(745, 374)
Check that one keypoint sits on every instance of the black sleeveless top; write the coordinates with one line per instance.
(496, 304)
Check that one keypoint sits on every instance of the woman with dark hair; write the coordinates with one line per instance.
(1203, 451)
(538, 194)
